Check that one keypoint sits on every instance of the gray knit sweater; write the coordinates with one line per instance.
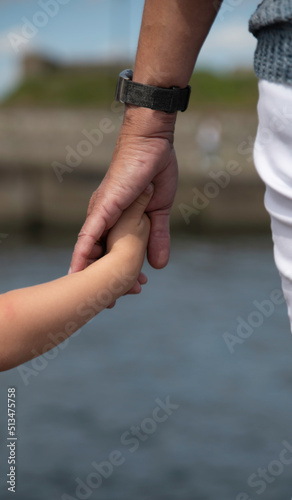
(272, 26)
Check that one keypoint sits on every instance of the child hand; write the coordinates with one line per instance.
(129, 236)
(131, 231)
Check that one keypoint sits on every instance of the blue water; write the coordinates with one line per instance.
(233, 410)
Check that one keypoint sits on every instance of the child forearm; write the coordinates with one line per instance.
(31, 317)
(34, 320)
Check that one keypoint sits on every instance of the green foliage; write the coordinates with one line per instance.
(95, 88)
(232, 90)
(61, 88)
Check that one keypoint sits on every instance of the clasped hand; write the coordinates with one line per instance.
(144, 154)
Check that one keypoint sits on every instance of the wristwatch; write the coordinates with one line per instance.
(147, 96)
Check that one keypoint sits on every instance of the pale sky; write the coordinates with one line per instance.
(99, 30)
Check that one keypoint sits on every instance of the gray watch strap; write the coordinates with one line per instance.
(168, 100)
(148, 96)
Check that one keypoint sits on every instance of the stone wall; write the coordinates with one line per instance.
(52, 160)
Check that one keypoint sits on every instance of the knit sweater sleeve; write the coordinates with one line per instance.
(269, 13)
(271, 24)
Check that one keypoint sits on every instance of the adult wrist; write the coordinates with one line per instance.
(148, 122)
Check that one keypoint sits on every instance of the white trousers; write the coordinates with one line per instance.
(273, 160)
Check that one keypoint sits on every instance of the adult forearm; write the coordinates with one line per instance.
(172, 34)
(171, 37)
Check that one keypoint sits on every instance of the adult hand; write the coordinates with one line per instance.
(144, 153)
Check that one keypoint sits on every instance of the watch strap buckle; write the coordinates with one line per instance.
(180, 99)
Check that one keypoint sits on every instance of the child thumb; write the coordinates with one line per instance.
(143, 200)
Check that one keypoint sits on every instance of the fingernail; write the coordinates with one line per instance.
(149, 188)
(70, 271)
